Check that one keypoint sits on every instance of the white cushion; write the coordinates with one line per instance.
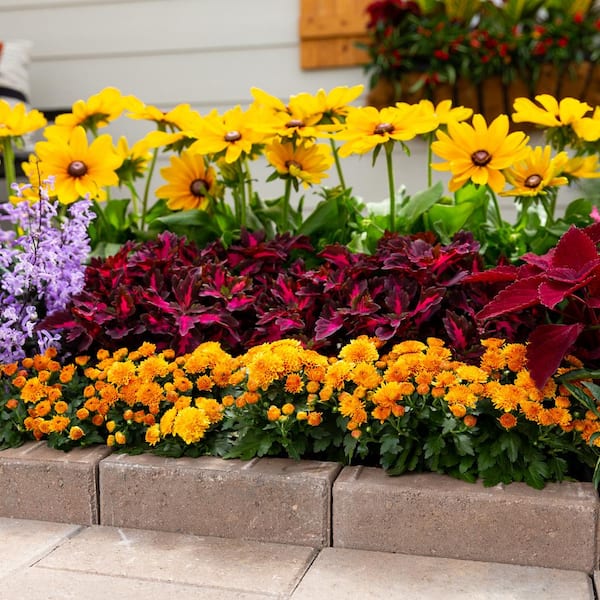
(14, 70)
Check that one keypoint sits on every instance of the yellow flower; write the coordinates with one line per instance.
(167, 420)
(583, 167)
(306, 163)
(152, 436)
(97, 111)
(213, 410)
(79, 168)
(120, 438)
(293, 384)
(15, 121)
(288, 408)
(366, 127)
(549, 112)
(478, 152)
(537, 172)
(353, 408)
(234, 133)
(191, 424)
(365, 375)
(134, 159)
(334, 105)
(76, 433)
(362, 349)
(273, 413)
(191, 184)
(121, 373)
(182, 117)
(444, 112)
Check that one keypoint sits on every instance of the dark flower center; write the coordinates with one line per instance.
(77, 169)
(292, 163)
(383, 128)
(481, 158)
(294, 123)
(233, 136)
(199, 187)
(533, 181)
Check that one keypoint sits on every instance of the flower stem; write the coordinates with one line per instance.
(338, 164)
(286, 204)
(496, 206)
(10, 173)
(248, 179)
(389, 149)
(147, 189)
(429, 160)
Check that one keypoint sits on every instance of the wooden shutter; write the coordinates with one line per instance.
(329, 30)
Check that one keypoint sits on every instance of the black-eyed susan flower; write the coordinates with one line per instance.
(234, 133)
(95, 112)
(334, 104)
(366, 127)
(16, 121)
(191, 184)
(306, 164)
(478, 152)
(548, 111)
(536, 173)
(443, 112)
(583, 167)
(79, 168)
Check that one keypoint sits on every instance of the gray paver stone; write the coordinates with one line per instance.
(269, 499)
(38, 482)
(434, 515)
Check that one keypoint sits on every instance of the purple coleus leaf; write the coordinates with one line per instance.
(327, 324)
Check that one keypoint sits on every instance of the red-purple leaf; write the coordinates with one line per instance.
(548, 345)
(517, 296)
(574, 250)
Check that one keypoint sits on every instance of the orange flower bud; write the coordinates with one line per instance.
(76, 433)
(470, 420)
(315, 418)
(288, 408)
(273, 413)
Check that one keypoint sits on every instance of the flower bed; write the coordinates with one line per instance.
(433, 337)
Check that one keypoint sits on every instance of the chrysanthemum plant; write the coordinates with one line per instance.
(414, 408)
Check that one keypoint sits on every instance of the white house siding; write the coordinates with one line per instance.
(208, 53)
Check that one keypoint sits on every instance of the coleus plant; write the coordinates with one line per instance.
(565, 284)
(169, 292)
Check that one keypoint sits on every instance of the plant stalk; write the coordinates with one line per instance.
(389, 149)
(10, 172)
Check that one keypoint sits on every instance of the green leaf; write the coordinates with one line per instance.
(389, 444)
(349, 446)
(420, 203)
(434, 445)
(464, 444)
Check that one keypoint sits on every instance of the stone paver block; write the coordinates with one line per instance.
(38, 482)
(22, 542)
(345, 573)
(269, 499)
(227, 566)
(433, 515)
(45, 584)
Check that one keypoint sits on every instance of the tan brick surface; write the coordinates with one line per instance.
(38, 482)
(433, 515)
(269, 499)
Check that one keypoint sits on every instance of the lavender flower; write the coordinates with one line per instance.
(42, 264)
